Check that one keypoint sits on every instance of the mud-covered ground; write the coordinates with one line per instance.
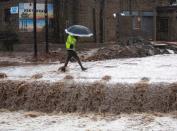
(36, 121)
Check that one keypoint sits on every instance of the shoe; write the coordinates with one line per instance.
(62, 69)
(84, 69)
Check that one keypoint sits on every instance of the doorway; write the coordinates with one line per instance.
(162, 28)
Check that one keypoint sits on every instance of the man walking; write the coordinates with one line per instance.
(71, 52)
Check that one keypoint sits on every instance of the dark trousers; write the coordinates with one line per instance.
(72, 54)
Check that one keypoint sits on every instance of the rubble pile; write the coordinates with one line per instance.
(133, 47)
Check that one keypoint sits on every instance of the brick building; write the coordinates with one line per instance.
(108, 19)
(152, 19)
(142, 18)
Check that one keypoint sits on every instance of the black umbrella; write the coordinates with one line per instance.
(79, 30)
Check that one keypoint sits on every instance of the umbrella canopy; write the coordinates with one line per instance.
(79, 30)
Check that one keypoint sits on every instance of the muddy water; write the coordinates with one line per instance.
(96, 97)
(22, 121)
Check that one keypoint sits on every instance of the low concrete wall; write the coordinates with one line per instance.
(96, 97)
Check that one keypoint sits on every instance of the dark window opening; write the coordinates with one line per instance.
(163, 25)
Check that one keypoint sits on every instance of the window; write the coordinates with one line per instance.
(163, 25)
(7, 15)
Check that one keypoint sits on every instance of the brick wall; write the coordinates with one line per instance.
(25, 37)
(95, 14)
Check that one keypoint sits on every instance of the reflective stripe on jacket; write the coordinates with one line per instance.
(71, 43)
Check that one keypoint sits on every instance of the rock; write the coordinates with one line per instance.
(106, 78)
(145, 79)
(68, 77)
(32, 114)
(3, 75)
(37, 76)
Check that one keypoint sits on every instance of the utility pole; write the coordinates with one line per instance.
(34, 28)
(94, 25)
(46, 26)
(102, 13)
(155, 20)
(131, 15)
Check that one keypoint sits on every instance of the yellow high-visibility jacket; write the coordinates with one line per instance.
(71, 43)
